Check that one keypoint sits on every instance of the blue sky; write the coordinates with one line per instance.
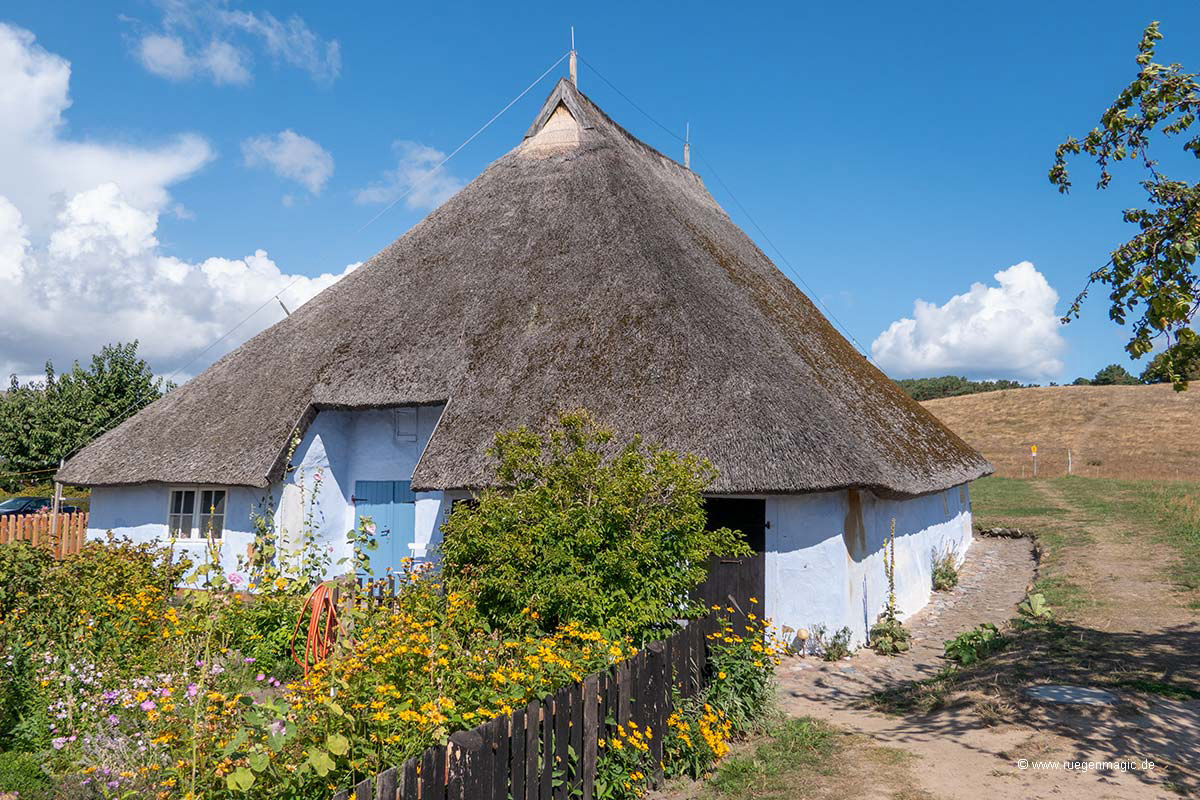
(892, 153)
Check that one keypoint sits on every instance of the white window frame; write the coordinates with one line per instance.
(195, 533)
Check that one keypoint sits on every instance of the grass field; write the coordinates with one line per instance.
(805, 759)
(1125, 432)
(1151, 517)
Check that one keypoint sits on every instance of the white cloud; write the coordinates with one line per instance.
(80, 259)
(417, 178)
(225, 63)
(204, 39)
(104, 278)
(41, 167)
(1006, 331)
(291, 156)
(292, 42)
(165, 56)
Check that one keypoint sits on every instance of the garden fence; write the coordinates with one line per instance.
(548, 750)
(64, 539)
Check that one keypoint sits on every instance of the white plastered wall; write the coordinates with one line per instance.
(338, 449)
(824, 557)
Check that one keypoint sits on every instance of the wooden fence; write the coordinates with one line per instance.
(66, 539)
(548, 750)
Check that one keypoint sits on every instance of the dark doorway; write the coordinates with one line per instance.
(733, 581)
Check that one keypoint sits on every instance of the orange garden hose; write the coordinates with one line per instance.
(322, 616)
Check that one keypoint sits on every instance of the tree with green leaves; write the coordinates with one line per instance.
(586, 530)
(921, 389)
(1152, 278)
(1113, 375)
(42, 422)
(1184, 352)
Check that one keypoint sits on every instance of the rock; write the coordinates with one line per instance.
(1076, 695)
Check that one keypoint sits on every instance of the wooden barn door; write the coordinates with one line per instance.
(733, 581)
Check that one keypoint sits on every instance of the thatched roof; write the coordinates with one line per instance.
(582, 269)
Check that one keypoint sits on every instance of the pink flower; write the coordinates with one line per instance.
(234, 578)
(260, 676)
(148, 705)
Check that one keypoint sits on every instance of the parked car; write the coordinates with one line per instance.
(32, 505)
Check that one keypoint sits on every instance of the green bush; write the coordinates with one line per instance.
(889, 637)
(23, 569)
(975, 644)
(945, 570)
(612, 537)
(836, 647)
(262, 629)
(1035, 606)
(22, 774)
(103, 605)
(741, 663)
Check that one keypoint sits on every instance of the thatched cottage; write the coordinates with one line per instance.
(581, 269)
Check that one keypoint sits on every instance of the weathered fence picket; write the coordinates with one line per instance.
(66, 540)
(549, 749)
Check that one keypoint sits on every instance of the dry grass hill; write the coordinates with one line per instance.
(1132, 432)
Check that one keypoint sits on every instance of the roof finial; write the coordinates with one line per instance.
(687, 145)
(574, 69)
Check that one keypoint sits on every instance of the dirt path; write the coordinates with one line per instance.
(1120, 570)
(973, 744)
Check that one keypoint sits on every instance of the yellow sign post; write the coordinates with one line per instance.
(1033, 451)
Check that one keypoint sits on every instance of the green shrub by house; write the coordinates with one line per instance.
(585, 531)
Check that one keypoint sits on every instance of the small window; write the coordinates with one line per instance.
(196, 513)
(406, 424)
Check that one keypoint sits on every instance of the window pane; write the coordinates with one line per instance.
(180, 517)
(212, 501)
(212, 513)
(180, 525)
(211, 523)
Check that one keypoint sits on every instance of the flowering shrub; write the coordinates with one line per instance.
(620, 769)
(119, 685)
(697, 737)
(610, 537)
(743, 659)
(700, 730)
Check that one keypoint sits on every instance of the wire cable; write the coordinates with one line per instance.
(429, 175)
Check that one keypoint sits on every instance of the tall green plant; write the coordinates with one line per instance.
(585, 529)
(889, 637)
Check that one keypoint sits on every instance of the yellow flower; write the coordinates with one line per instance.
(721, 675)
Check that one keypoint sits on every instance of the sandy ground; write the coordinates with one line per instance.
(984, 744)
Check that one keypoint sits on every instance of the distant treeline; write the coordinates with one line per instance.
(952, 386)
(1157, 371)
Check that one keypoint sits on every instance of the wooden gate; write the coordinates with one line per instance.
(734, 581)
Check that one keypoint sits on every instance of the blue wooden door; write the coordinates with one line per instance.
(391, 505)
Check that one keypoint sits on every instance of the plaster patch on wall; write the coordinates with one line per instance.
(854, 531)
